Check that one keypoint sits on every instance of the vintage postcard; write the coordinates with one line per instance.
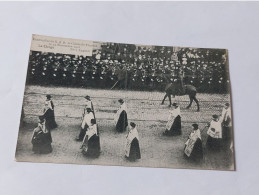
(104, 103)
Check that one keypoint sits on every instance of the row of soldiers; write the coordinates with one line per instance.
(100, 70)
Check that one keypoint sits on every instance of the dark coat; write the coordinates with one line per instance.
(50, 119)
(176, 128)
(122, 122)
(93, 147)
(134, 150)
(41, 142)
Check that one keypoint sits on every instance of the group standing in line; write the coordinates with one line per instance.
(219, 131)
(41, 138)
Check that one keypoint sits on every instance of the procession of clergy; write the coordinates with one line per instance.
(219, 132)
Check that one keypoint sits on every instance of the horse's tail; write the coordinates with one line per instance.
(168, 86)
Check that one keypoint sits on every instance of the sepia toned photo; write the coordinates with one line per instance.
(105, 103)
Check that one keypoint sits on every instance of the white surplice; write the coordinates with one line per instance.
(133, 133)
(225, 115)
(88, 104)
(191, 142)
(92, 130)
(218, 129)
(87, 119)
(173, 114)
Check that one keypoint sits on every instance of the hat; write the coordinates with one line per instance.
(174, 104)
(93, 121)
(132, 124)
(88, 109)
(195, 126)
(227, 104)
(214, 116)
(121, 101)
(87, 97)
(48, 96)
(41, 118)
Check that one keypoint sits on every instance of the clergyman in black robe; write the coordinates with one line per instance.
(121, 118)
(226, 126)
(214, 140)
(49, 115)
(132, 149)
(91, 142)
(173, 126)
(193, 147)
(41, 138)
(85, 124)
(89, 104)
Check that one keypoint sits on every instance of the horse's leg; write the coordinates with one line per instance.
(169, 95)
(191, 99)
(173, 97)
(164, 99)
(197, 102)
(120, 84)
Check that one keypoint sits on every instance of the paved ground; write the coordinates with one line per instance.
(143, 108)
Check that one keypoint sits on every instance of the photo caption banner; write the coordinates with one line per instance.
(61, 45)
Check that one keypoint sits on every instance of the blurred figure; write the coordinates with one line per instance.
(41, 138)
(214, 134)
(193, 147)
(89, 104)
(120, 118)
(173, 126)
(122, 76)
(22, 118)
(226, 125)
(48, 114)
(91, 142)
(85, 124)
(132, 150)
(231, 147)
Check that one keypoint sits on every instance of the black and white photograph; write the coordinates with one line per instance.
(105, 103)
(129, 98)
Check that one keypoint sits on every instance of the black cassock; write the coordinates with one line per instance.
(134, 153)
(122, 122)
(50, 119)
(93, 147)
(176, 128)
(226, 130)
(226, 134)
(213, 144)
(41, 142)
(197, 151)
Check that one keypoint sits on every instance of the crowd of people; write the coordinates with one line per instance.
(219, 133)
(89, 134)
(134, 67)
